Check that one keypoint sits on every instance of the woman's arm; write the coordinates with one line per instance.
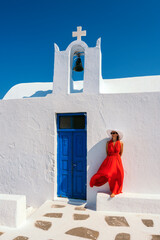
(121, 151)
(107, 148)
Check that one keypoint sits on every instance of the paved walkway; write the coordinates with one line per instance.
(56, 220)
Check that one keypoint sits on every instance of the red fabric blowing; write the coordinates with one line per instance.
(111, 170)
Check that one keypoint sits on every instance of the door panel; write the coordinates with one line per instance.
(65, 164)
(79, 165)
(72, 164)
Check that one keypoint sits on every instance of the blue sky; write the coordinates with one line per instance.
(130, 32)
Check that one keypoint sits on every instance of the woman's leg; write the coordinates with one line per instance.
(114, 187)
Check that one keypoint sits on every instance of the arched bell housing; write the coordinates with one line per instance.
(78, 65)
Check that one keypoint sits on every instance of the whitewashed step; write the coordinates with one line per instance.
(129, 202)
(12, 210)
(30, 211)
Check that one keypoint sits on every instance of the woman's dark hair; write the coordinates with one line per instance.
(117, 136)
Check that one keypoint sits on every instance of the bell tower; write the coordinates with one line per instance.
(77, 60)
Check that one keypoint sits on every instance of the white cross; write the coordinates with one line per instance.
(79, 33)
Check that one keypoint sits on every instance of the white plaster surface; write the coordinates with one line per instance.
(129, 202)
(28, 143)
(130, 85)
(107, 86)
(28, 90)
(12, 210)
(28, 146)
(93, 82)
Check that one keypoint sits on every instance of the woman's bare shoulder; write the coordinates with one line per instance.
(121, 142)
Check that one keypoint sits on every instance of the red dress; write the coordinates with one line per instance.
(111, 170)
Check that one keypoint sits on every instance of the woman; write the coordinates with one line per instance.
(111, 170)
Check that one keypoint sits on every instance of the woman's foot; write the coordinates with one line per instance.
(112, 195)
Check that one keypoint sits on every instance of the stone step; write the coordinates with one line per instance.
(129, 202)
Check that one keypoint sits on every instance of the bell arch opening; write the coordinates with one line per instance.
(77, 68)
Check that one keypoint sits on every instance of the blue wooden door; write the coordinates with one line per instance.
(65, 164)
(79, 165)
(72, 164)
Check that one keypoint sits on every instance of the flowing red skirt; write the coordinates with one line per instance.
(111, 171)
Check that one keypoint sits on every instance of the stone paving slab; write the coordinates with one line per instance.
(80, 216)
(53, 215)
(123, 236)
(148, 222)
(83, 233)
(56, 220)
(116, 221)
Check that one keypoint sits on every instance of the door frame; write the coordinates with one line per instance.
(69, 130)
(72, 114)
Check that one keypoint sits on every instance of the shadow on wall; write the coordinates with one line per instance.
(40, 94)
(96, 156)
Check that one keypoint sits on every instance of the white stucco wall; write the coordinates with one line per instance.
(26, 155)
(26, 90)
(107, 86)
(93, 82)
(28, 144)
(130, 85)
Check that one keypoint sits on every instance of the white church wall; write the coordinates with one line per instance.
(26, 149)
(28, 144)
(130, 85)
(61, 71)
(137, 116)
(26, 90)
(92, 74)
(93, 82)
(106, 86)
(62, 79)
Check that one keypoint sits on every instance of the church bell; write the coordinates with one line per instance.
(78, 66)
